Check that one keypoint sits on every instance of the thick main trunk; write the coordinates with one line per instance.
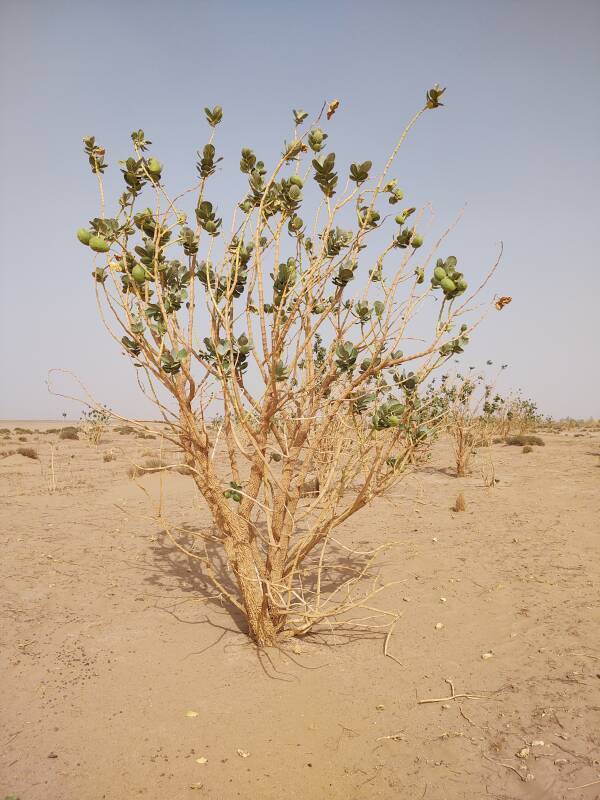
(260, 625)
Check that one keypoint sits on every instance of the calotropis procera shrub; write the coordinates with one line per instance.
(315, 387)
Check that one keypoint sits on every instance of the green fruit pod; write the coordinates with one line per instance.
(154, 167)
(461, 284)
(296, 180)
(416, 240)
(439, 273)
(98, 244)
(448, 285)
(275, 456)
(84, 235)
(138, 274)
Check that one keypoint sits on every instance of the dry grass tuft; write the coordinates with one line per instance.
(69, 433)
(459, 503)
(523, 439)
(110, 456)
(28, 452)
(528, 449)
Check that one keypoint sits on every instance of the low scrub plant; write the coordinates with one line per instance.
(69, 432)
(28, 452)
(525, 439)
(256, 324)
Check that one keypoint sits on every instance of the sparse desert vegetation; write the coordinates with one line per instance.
(511, 583)
(292, 507)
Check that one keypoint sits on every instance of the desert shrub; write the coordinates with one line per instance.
(23, 430)
(28, 452)
(145, 436)
(4, 430)
(124, 430)
(462, 398)
(528, 449)
(21, 438)
(68, 433)
(519, 440)
(306, 375)
(110, 456)
(94, 424)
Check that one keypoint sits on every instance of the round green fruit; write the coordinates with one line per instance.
(275, 456)
(138, 274)
(296, 180)
(461, 284)
(393, 420)
(154, 166)
(84, 235)
(416, 240)
(439, 273)
(98, 244)
(448, 285)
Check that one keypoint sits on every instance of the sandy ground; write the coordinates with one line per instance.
(106, 645)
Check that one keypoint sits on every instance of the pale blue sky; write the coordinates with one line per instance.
(517, 142)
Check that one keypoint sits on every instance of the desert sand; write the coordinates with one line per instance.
(121, 680)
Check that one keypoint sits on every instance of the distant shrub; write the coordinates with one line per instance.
(143, 435)
(110, 456)
(4, 430)
(124, 429)
(28, 452)
(524, 439)
(23, 430)
(69, 433)
(528, 449)
(94, 424)
(22, 438)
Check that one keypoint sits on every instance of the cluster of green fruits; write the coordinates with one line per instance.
(447, 278)
(234, 493)
(91, 239)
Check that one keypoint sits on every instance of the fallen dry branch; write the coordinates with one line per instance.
(453, 696)
(507, 766)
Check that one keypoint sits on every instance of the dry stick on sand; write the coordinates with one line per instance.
(508, 766)
(583, 785)
(453, 696)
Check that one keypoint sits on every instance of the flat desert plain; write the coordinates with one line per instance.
(120, 680)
